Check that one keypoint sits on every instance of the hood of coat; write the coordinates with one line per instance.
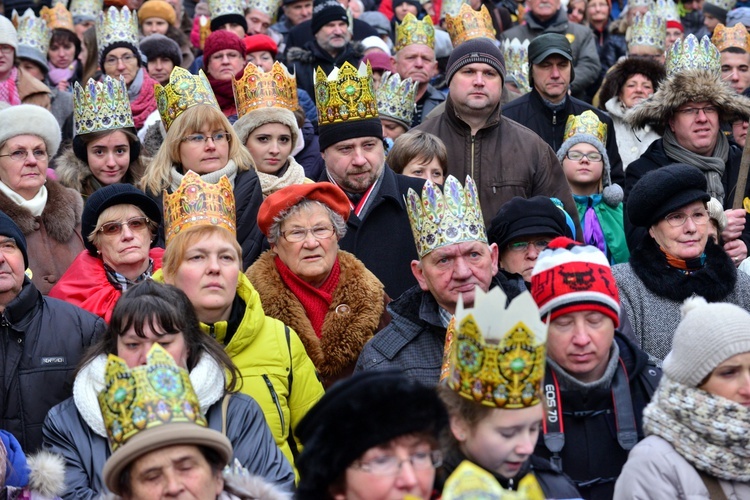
(624, 69)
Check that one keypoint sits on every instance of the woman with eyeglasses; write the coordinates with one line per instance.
(676, 259)
(119, 223)
(48, 213)
(586, 165)
(325, 294)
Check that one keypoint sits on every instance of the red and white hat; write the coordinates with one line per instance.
(569, 277)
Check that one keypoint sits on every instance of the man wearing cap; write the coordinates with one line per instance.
(505, 159)
(41, 342)
(546, 108)
(303, 33)
(597, 381)
(546, 16)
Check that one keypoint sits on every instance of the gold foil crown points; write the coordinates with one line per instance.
(116, 26)
(469, 24)
(144, 397)
(725, 37)
(412, 31)
(439, 218)
(693, 54)
(101, 106)
(647, 30)
(498, 353)
(256, 89)
(57, 17)
(33, 31)
(345, 95)
(199, 203)
(586, 123)
(183, 91)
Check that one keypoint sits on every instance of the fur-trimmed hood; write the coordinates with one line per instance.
(76, 174)
(686, 86)
(624, 69)
(61, 215)
(261, 116)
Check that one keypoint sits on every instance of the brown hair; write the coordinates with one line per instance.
(419, 145)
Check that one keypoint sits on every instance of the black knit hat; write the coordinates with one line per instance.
(356, 414)
(326, 11)
(219, 21)
(337, 132)
(109, 196)
(120, 44)
(537, 216)
(10, 229)
(157, 45)
(663, 191)
(477, 50)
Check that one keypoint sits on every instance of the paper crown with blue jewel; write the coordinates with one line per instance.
(101, 106)
(693, 54)
(516, 55)
(145, 397)
(667, 9)
(57, 16)
(724, 37)
(412, 31)
(396, 98)
(257, 89)
(114, 26)
(33, 33)
(439, 218)
(183, 91)
(647, 30)
(497, 354)
(225, 7)
(345, 95)
(469, 24)
(85, 10)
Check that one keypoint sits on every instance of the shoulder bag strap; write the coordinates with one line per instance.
(224, 408)
(712, 485)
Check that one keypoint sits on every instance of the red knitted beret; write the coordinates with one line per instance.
(221, 40)
(329, 194)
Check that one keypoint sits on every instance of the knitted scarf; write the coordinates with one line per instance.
(270, 183)
(224, 95)
(9, 90)
(708, 431)
(316, 301)
(712, 166)
(230, 170)
(145, 103)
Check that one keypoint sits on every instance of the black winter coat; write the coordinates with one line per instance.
(306, 59)
(41, 342)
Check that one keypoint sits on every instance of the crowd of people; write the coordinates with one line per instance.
(374, 249)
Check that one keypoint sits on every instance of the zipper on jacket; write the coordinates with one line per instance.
(275, 399)
(473, 137)
(554, 118)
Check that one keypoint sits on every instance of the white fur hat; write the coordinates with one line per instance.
(32, 120)
(8, 35)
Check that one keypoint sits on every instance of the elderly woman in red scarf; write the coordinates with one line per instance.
(325, 294)
(224, 59)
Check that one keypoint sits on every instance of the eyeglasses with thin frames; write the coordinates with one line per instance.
(678, 219)
(6, 49)
(112, 60)
(578, 156)
(390, 465)
(523, 246)
(217, 138)
(694, 112)
(115, 228)
(20, 155)
(300, 233)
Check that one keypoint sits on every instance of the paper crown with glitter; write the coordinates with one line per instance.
(469, 24)
(85, 10)
(412, 31)
(647, 30)
(516, 55)
(225, 7)
(57, 17)
(116, 26)
(396, 98)
(33, 32)
(148, 396)
(257, 89)
(640, 3)
(667, 9)
(183, 91)
(345, 95)
(692, 54)
(439, 218)
(269, 7)
(199, 203)
(724, 37)
(587, 123)
(497, 354)
(101, 106)
(726, 5)
(451, 8)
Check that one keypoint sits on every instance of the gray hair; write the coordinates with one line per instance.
(274, 232)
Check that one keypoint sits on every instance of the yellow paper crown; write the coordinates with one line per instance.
(497, 355)
(412, 31)
(199, 203)
(58, 17)
(257, 89)
(144, 397)
(440, 218)
(469, 24)
(736, 36)
(183, 91)
(585, 123)
(101, 106)
(346, 95)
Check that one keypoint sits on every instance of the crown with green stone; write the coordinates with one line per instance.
(86, 10)
(114, 26)
(345, 95)
(412, 31)
(516, 55)
(225, 7)
(396, 98)
(101, 106)
(647, 30)
(693, 54)
(32, 32)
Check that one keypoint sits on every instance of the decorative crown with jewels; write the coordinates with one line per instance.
(257, 89)
(225, 7)
(270, 7)
(691, 54)
(144, 397)
(726, 5)
(396, 98)
(86, 9)
(33, 32)
(516, 55)
(667, 9)
(440, 218)
(101, 106)
(724, 37)
(468, 24)
(346, 95)
(199, 203)
(641, 3)
(451, 8)
(412, 31)
(498, 354)
(58, 17)
(587, 123)
(116, 26)
(647, 30)
(183, 91)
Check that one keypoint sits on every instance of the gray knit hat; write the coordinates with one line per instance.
(708, 335)
(477, 50)
(8, 35)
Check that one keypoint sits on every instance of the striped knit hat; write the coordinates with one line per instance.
(569, 277)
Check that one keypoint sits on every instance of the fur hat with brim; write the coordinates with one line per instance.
(624, 69)
(28, 119)
(688, 86)
(261, 116)
(612, 194)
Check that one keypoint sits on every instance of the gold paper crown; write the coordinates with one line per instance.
(101, 106)
(647, 30)
(269, 7)
(587, 123)
(144, 397)
(691, 54)
(469, 24)
(516, 55)
(85, 10)
(58, 17)
(33, 32)
(396, 98)
(724, 37)
(257, 89)
(440, 218)
(346, 95)
(498, 354)
(225, 7)
(116, 26)
(412, 31)
(199, 203)
(183, 91)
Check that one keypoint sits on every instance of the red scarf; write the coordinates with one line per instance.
(316, 301)
(145, 103)
(224, 94)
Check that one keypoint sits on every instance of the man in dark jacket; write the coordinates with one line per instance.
(546, 109)
(41, 341)
(597, 382)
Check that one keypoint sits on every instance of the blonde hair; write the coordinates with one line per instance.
(157, 175)
(178, 246)
(116, 212)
